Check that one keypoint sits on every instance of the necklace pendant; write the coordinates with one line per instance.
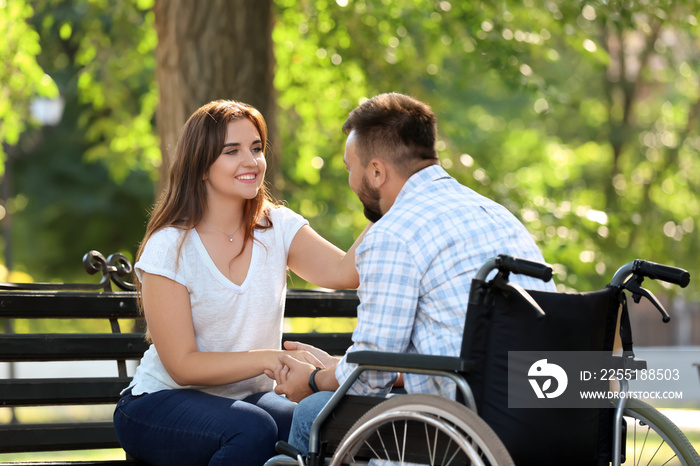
(230, 239)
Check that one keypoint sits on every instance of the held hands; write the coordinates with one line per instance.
(292, 377)
(296, 365)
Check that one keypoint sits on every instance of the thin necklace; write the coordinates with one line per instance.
(230, 237)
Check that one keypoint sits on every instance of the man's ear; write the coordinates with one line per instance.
(377, 172)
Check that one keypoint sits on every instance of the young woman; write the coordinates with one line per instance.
(212, 272)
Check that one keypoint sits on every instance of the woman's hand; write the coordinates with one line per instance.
(323, 359)
(304, 355)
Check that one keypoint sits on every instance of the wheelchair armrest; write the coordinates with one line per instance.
(404, 362)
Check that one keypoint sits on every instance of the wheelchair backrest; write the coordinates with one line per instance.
(499, 322)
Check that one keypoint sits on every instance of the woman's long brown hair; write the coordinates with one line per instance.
(184, 200)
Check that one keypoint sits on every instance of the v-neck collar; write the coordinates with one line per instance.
(223, 279)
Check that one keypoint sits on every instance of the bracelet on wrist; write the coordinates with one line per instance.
(312, 380)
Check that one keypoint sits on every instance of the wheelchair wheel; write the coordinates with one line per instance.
(653, 439)
(421, 429)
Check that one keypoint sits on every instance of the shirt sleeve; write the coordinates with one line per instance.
(160, 255)
(289, 222)
(388, 292)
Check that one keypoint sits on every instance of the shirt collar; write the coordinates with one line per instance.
(427, 175)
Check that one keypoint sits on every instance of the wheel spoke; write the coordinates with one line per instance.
(431, 448)
(386, 450)
(447, 450)
(396, 439)
(668, 460)
(453, 457)
(655, 453)
(403, 447)
(646, 436)
(435, 443)
(373, 451)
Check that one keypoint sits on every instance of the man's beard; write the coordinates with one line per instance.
(369, 197)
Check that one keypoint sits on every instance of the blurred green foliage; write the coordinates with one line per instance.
(21, 77)
(580, 117)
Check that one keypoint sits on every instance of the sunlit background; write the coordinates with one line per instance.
(580, 117)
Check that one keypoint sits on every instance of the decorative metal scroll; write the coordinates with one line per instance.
(115, 268)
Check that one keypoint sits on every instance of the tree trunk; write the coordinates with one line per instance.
(219, 49)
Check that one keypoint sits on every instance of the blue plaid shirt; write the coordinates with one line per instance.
(416, 265)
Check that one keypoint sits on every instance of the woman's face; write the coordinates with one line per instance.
(239, 171)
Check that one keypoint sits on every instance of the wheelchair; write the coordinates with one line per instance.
(481, 427)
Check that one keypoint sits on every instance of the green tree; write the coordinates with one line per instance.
(580, 117)
(102, 54)
(86, 183)
(221, 50)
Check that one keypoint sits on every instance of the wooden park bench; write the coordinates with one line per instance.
(112, 346)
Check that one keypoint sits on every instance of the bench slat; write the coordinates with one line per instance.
(71, 347)
(79, 391)
(122, 304)
(83, 347)
(315, 303)
(332, 343)
(66, 305)
(58, 436)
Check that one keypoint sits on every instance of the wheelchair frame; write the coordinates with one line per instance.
(628, 277)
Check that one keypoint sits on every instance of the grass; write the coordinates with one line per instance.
(80, 455)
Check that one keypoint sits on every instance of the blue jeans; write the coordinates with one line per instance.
(304, 417)
(190, 427)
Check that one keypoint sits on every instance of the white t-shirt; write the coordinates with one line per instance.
(226, 317)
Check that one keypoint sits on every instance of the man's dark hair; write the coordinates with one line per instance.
(396, 128)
